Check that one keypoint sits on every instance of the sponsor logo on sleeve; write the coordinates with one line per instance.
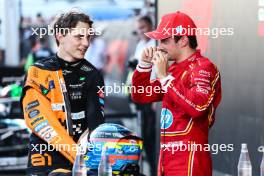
(33, 113)
(37, 119)
(51, 84)
(41, 125)
(47, 133)
(202, 90)
(32, 104)
(204, 73)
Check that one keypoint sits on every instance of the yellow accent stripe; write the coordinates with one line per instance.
(211, 112)
(184, 73)
(186, 131)
(208, 102)
(190, 162)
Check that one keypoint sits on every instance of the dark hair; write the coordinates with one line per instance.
(146, 19)
(68, 21)
(192, 41)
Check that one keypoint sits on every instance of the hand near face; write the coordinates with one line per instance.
(147, 54)
(160, 61)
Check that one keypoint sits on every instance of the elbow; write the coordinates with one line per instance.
(135, 98)
(198, 113)
(138, 99)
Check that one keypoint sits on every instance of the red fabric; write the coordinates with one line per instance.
(168, 25)
(188, 110)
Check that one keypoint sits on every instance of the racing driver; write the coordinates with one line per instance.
(62, 98)
(190, 91)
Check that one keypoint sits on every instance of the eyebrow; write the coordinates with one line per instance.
(163, 40)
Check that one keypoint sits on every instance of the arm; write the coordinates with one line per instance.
(95, 103)
(204, 87)
(144, 90)
(42, 121)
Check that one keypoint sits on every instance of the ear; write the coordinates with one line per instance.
(59, 37)
(184, 41)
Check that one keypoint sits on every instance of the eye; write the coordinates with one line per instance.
(164, 41)
(88, 37)
(79, 36)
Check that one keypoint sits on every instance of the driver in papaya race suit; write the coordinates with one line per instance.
(62, 97)
(190, 91)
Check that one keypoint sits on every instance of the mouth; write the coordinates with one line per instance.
(83, 51)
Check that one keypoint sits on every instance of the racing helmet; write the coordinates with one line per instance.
(123, 147)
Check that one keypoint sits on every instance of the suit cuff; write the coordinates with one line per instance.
(144, 66)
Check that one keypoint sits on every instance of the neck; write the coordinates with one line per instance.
(63, 55)
(185, 54)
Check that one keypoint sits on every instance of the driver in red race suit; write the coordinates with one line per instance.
(190, 91)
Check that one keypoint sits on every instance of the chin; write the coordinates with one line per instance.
(79, 56)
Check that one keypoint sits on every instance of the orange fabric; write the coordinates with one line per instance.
(41, 118)
(60, 136)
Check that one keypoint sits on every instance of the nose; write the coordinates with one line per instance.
(86, 42)
(159, 47)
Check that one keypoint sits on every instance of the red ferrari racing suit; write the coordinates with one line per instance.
(189, 95)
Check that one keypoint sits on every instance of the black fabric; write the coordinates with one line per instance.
(83, 81)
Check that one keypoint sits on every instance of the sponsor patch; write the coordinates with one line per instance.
(48, 133)
(35, 120)
(82, 78)
(101, 101)
(78, 115)
(204, 73)
(57, 107)
(49, 136)
(33, 113)
(63, 86)
(101, 94)
(202, 79)
(166, 119)
(86, 68)
(202, 90)
(32, 105)
(45, 130)
(44, 91)
(76, 95)
(41, 125)
(51, 84)
(74, 86)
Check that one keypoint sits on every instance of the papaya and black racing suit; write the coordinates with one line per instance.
(60, 101)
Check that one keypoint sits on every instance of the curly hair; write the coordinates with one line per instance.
(69, 20)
